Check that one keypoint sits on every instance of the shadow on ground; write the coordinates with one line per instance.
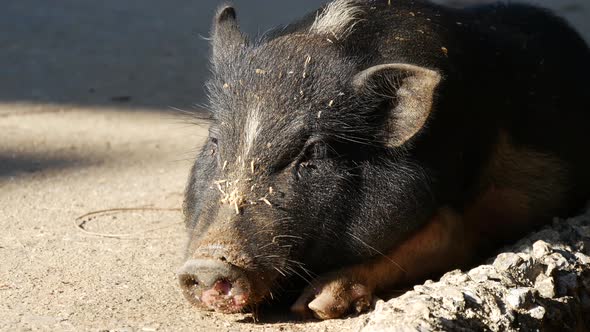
(127, 54)
(13, 164)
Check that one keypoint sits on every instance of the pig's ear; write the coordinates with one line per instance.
(226, 35)
(409, 89)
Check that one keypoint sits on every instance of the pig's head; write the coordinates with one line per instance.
(306, 167)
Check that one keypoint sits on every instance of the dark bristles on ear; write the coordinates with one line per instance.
(226, 13)
(227, 37)
(411, 87)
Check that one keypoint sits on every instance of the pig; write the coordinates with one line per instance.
(373, 144)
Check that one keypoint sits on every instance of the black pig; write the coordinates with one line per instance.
(377, 143)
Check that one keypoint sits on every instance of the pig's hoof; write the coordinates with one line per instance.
(333, 298)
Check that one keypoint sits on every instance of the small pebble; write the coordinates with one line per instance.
(537, 312)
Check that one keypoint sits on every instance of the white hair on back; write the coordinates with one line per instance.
(338, 18)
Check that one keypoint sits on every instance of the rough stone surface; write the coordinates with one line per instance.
(541, 283)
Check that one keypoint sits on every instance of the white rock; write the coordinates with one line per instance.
(518, 297)
(540, 249)
(537, 312)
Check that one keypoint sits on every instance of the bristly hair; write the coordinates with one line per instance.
(337, 19)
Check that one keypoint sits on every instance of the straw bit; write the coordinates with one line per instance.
(232, 195)
(305, 65)
(233, 198)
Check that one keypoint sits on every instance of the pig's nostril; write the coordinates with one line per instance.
(191, 287)
(223, 287)
(188, 282)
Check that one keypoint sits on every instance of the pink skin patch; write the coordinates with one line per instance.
(224, 297)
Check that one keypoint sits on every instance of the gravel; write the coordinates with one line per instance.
(541, 283)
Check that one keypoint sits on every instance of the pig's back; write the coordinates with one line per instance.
(513, 72)
(508, 69)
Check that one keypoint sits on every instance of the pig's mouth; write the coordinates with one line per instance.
(224, 296)
(218, 286)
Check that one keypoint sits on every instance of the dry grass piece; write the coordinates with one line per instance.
(266, 201)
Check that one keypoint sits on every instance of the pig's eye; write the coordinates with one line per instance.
(316, 151)
(312, 153)
(213, 141)
(302, 169)
(213, 134)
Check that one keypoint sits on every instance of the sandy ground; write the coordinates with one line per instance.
(60, 164)
(68, 149)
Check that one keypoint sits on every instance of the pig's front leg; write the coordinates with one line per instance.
(335, 295)
(443, 242)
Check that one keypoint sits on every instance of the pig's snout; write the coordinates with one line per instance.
(215, 285)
